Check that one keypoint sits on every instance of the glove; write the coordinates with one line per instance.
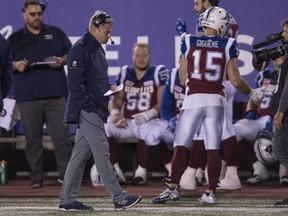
(269, 124)
(256, 94)
(143, 117)
(251, 115)
(180, 26)
(172, 124)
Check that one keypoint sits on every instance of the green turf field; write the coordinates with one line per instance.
(42, 206)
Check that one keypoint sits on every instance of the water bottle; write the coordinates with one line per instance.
(3, 172)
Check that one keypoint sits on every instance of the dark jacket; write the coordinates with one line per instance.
(87, 79)
(39, 82)
(279, 101)
(6, 69)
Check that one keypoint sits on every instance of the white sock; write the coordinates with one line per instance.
(191, 171)
(168, 168)
(231, 171)
(117, 167)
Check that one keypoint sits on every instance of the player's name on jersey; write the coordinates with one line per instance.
(207, 43)
(132, 89)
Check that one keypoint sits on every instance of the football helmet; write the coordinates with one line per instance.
(216, 18)
(263, 147)
(95, 177)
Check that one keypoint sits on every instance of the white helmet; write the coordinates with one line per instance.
(263, 147)
(95, 177)
(216, 18)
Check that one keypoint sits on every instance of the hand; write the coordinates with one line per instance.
(119, 122)
(59, 62)
(139, 118)
(269, 124)
(172, 124)
(21, 65)
(277, 121)
(251, 115)
(113, 87)
(145, 116)
(256, 94)
(180, 26)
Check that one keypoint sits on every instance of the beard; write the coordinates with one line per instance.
(142, 68)
(36, 25)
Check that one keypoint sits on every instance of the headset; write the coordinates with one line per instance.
(35, 2)
(100, 19)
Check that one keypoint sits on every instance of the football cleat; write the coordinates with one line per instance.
(260, 174)
(284, 181)
(138, 181)
(140, 177)
(254, 180)
(207, 198)
(170, 194)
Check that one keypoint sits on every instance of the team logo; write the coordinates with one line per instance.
(48, 37)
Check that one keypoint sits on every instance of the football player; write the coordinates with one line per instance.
(229, 178)
(207, 61)
(135, 108)
(256, 119)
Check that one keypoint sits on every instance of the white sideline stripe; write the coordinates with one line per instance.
(161, 209)
(209, 208)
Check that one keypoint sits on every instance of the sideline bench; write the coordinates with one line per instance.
(238, 111)
(12, 142)
(12, 150)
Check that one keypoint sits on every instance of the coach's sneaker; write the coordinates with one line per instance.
(207, 198)
(170, 194)
(75, 206)
(140, 177)
(188, 179)
(231, 180)
(128, 202)
(283, 203)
